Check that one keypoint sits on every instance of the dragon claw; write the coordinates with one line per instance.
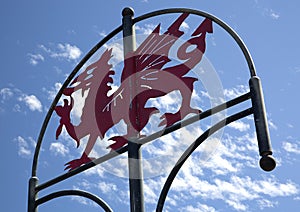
(169, 119)
(78, 162)
(119, 142)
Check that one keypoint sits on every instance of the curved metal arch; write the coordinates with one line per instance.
(221, 23)
(111, 35)
(192, 148)
(187, 153)
(85, 194)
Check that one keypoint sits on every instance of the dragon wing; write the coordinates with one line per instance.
(153, 51)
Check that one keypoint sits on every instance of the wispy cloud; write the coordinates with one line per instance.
(236, 191)
(12, 94)
(228, 158)
(59, 51)
(184, 26)
(239, 125)
(32, 102)
(264, 203)
(25, 146)
(102, 34)
(266, 11)
(231, 93)
(59, 149)
(198, 208)
(271, 124)
(66, 51)
(146, 29)
(5, 94)
(52, 91)
(107, 187)
(34, 59)
(271, 13)
(291, 147)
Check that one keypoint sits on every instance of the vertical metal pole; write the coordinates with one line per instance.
(134, 149)
(32, 194)
(267, 162)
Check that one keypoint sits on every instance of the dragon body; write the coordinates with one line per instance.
(144, 76)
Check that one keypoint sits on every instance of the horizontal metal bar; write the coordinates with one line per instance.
(85, 194)
(112, 34)
(147, 139)
(192, 148)
(80, 169)
(195, 118)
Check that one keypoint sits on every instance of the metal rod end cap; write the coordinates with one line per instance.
(267, 163)
(127, 11)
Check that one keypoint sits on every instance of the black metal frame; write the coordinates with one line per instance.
(267, 163)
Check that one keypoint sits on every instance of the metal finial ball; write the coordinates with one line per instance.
(128, 11)
(267, 163)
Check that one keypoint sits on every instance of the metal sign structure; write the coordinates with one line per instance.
(144, 76)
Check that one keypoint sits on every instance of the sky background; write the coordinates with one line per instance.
(41, 43)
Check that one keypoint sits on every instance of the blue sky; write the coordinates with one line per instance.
(41, 43)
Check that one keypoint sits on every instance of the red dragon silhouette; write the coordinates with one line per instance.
(144, 70)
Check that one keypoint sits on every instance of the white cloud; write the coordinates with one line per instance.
(151, 187)
(34, 59)
(103, 34)
(117, 52)
(59, 149)
(6, 93)
(184, 26)
(272, 14)
(66, 51)
(107, 187)
(62, 51)
(52, 92)
(17, 108)
(220, 165)
(198, 208)
(168, 103)
(231, 93)
(79, 199)
(146, 29)
(238, 191)
(264, 203)
(25, 146)
(32, 102)
(235, 191)
(239, 125)
(272, 125)
(291, 147)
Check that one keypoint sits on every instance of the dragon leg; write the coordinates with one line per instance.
(84, 158)
(186, 92)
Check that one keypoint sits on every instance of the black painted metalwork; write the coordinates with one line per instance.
(134, 149)
(85, 194)
(267, 162)
(192, 148)
(147, 139)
